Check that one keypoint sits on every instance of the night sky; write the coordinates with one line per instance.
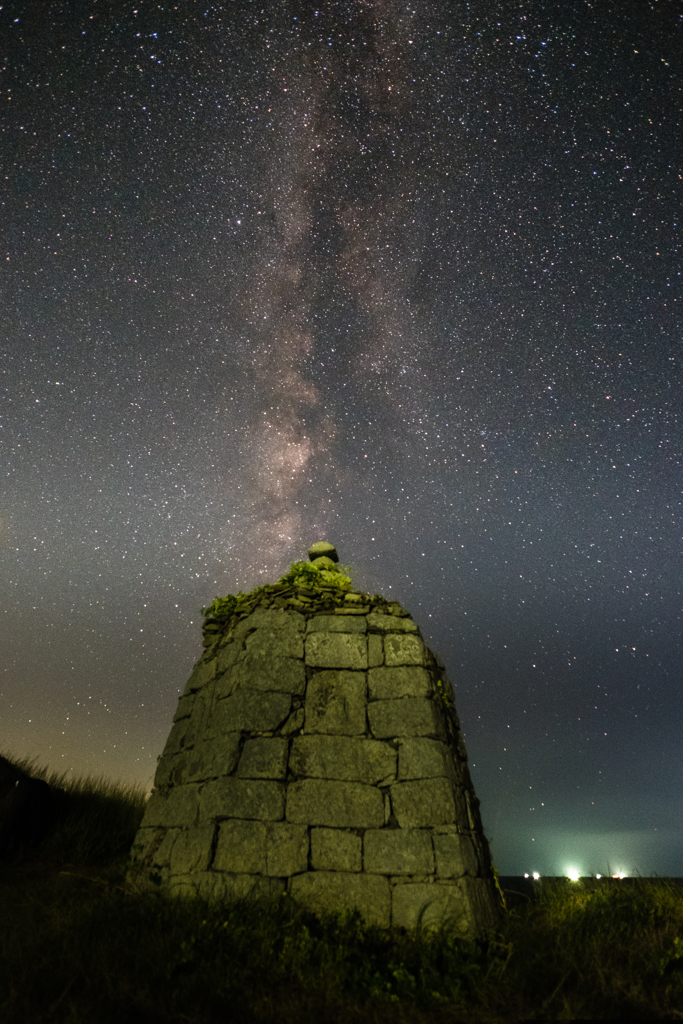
(402, 277)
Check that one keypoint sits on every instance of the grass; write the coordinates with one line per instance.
(79, 944)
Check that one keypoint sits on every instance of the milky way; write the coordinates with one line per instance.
(407, 278)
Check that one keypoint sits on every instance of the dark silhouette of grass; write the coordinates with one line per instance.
(80, 943)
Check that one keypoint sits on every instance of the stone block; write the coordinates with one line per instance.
(270, 675)
(404, 681)
(375, 651)
(424, 803)
(200, 717)
(403, 650)
(184, 709)
(333, 849)
(390, 623)
(210, 759)
(257, 847)
(241, 847)
(204, 672)
(455, 854)
(153, 847)
(167, 766)
(214, 885)
(422, 758)
(205, 761)
(348, 758)
(266, 644)
(286, 849)
(430, 906)
(335, 891)
(330, 624)
(398, 851)
(249, 711)
(411, 716)
(228, 655)
(336, 650)
(243, 798)
(464, 908)
(335, 702)
(336, 804)
(263, 759)
(176, 807)
(293, 723)
(274, 619)
(176, 738)
(192, 850)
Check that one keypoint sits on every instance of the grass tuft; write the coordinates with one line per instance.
(78, 944)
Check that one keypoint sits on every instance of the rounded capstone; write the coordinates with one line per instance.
(323, 550)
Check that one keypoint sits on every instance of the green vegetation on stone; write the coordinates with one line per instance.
(300, 574)
(78, 943)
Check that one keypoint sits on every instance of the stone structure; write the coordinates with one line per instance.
(316, 751)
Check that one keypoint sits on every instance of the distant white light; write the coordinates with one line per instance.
(598, 876)
(526, 875)
(573, 875)
(536, 876)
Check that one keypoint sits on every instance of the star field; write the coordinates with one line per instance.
(402, 277)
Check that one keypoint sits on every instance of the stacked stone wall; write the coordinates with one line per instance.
(316, 752)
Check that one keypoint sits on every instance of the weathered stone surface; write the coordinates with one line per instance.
(192, 850)
(390, 624)
(257, 847)
(375, 651)
(411, 716)
(176, 738)
(267, 644)
(151, 851)
(426, 802)
(323, 891)
(185, 705)
(337, 650)
(403, 650)
(204, 672)
(342, 757)
(323, 549)
(211, 759)
(464, 907)
(228, 655)
(404, 681)
(273, 619)
(335, 703)
(336, 624)
(201, 715)
(205, 761)
(178, 806)
(214, 885)
(263, 759)
(455, 854)
(243, 798)
(293, 723)
(273, 675)
(397, 851)
(337, 804)
(422, 758)
(249, 711)
(333, 849)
